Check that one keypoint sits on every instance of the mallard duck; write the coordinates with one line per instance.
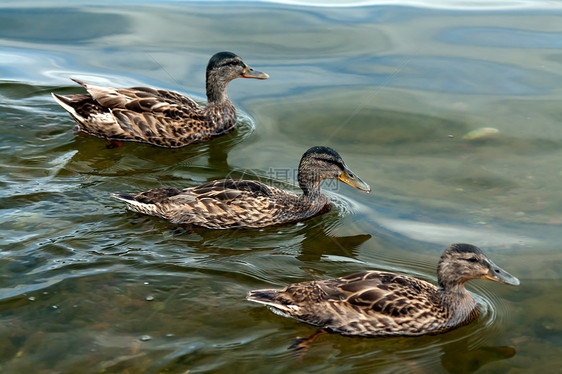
(159, 117)
(377, 303)
(232, 203)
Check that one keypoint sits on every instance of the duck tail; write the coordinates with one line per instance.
(128, 198)
(273, 299)
(135, 205)
(67, 102)
(263, 296)
(73, 103)
(82, 83)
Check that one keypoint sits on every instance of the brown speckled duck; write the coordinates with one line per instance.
(159, 117)
(236, 203)
(377, 303)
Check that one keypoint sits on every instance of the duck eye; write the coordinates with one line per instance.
(472, 259)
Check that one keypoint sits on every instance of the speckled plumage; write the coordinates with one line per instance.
(231, 203)
(377, 303)
(160, 117)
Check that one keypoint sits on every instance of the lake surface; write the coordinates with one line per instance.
(396, 88)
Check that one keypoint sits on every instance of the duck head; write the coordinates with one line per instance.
(462, 262)
(319, 163)
(224, 67)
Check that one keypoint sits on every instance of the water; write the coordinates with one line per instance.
(86, 286)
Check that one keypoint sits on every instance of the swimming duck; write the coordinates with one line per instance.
(378, 303)
(234, 203)
(159, 117)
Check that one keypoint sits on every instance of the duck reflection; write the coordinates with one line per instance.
(319, 242)
(455, 357)
(458, 358)
(218, 155)
(138, 159)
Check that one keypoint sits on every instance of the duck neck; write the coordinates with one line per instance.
(216, 89)
(460, 305)
(309, 184)
(219, 109)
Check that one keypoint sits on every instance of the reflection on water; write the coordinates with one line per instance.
(316, 245)
(87, 286)
(465, 360)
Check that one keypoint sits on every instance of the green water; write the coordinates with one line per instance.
(89, 287)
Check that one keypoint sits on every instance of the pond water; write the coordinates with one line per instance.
(396, 88)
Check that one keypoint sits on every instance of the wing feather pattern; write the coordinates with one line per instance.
(222, 204)
(159, 117)
(366, 304)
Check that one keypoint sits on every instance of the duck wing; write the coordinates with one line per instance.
(368, 303)
(142, 114)
(219, 204)
(138, 99)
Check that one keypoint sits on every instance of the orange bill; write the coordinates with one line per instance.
(353, 180)
(251, 73)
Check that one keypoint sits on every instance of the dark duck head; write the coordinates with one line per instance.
(221, 69)
(458, 264)
(319, 163)
(462, 262)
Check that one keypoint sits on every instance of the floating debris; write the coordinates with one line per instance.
(145, 338)
(149, 298)
(31, 298)
(480, 133)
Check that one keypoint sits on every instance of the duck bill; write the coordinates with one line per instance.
(251, 73)
(497, 274)
(350, 178)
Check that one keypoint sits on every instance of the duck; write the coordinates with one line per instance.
(239, 203)
(380, 303)
(160, 117)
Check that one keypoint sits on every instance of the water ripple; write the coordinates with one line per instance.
(439, 4)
